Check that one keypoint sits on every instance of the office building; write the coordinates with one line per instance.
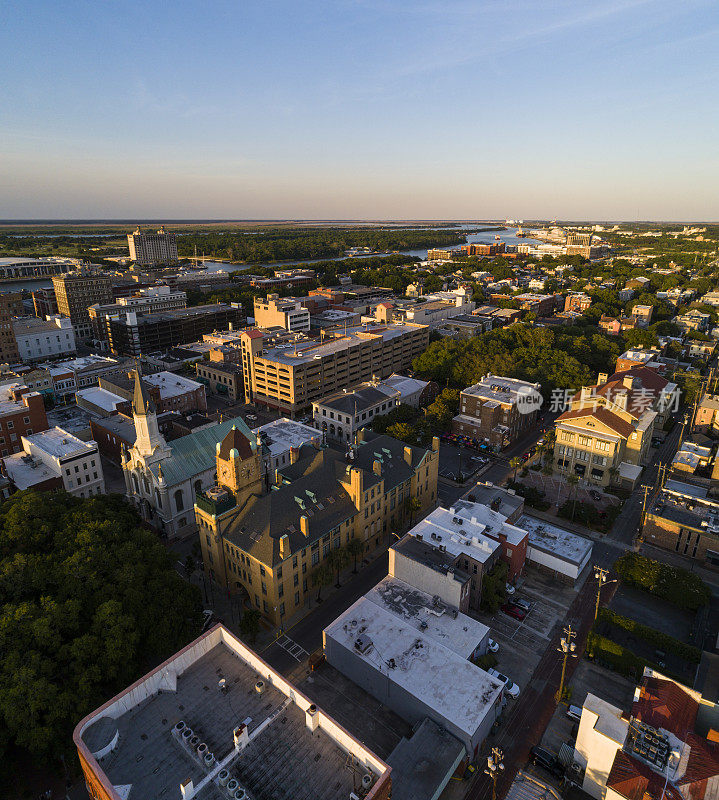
(10, 306)
(412, 652)
(153, 249)
(220, 377)
(44, 302)
(265, 545)
(168, 391)
(22, 413)
(79, 373)
(497, 410)
(133, 333)
(215, 722)
(289, 374)
(663, 747)
(440, 254)
(339, 416)
(150, 300)
(75, 465)
(76, 292)
(39, 339)
(286, 312)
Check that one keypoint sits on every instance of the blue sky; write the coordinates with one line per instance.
(360, 109)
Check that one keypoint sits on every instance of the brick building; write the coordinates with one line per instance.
(10, 306)
(497, 410)
(221, 377)
(168, 391)
(22, 413)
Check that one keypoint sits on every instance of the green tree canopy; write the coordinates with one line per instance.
(90, 602)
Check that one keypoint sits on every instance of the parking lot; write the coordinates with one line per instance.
(521, 643)
(454, 460)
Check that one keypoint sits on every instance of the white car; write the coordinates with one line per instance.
(511, 688)
(492, 646)
(251, 417)
(509, 588)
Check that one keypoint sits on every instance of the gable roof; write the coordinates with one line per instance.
(603, 415)
(650, 378)
(194, 454)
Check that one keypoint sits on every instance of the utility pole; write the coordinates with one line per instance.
(495, 766)
(567, 646)
(601, 575)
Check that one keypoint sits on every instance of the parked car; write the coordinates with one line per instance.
(575, 713)
(509, 588)
(252, 417)
(511, 687)
(543, 758)
(511, 610)
(525, 605)
(492, 646)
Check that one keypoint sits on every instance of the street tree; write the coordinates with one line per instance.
(355, 548)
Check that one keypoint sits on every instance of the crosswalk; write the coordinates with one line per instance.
(296, 651)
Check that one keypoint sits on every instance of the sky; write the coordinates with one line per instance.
(360, 109)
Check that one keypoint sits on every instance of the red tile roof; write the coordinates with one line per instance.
(664, 704)
(633, 779)
(236, 440)
(650, 378)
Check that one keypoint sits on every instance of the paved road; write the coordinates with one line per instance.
(307, 633)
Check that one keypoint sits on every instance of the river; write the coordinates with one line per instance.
(509, 236)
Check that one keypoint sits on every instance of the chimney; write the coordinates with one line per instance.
(628, 381)
(408, 455)
(377, 467)
(435, 444)
(312, 718)
(602, 378)
(305, 525)
(294, 454)
(284, 546)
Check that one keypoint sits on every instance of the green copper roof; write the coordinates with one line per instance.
(195, 453)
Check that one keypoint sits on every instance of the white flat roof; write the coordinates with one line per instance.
(25, 471)
(108, 401)
(406, 386)
(453, 687)
(494, 523)
(170, 384)
(456, 631)
(59, 443)
(555, 540)
(463, 537)
(282, 434)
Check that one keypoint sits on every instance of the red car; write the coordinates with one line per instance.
(514, 611)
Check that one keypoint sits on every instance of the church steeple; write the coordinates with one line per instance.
(145, 417)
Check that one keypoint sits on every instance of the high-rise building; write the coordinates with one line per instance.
(150, 300)
(76, 292)
(10, 306)
(149, 249)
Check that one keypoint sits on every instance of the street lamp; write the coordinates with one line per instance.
(567, 646)
(601, 576)
(494, 768)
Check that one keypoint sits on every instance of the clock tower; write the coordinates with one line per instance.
(239, 465)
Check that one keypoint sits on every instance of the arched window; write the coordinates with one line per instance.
(179, 503)
(158, 499)
(198, 486)
(135, 483)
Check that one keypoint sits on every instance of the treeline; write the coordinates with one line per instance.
(568, 358)
(287, 245)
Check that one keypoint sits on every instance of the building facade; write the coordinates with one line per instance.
(150, 300)
(10, 306)
(497, 410)
(342, 414)
(40, 339)
(224, 378)
(75, 292)
(22, 413)
(265, 545)
(152, 249)
(286, 312)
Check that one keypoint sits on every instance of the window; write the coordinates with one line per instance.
(297, 598)
(281, 591)
(262, 570)
(179, 503)
(296, 580)
(265, 607)
(26, 420)
(279, 571)
(282, 609)
(264, 587)
(315, 558)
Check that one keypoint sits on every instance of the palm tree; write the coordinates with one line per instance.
(573, 481)
(337, 560)
(322, 576)
(355, 548)
(515, 463)
(412, 505)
